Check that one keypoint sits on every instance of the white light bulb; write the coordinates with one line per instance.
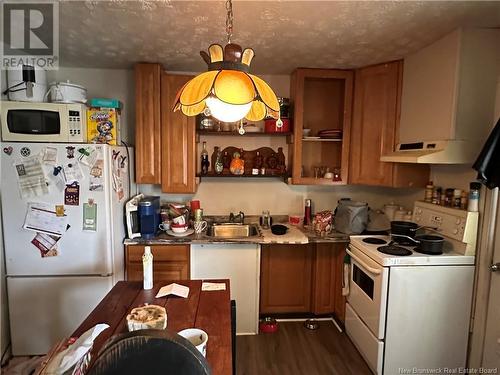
(227, 112)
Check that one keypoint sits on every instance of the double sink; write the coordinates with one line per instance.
(232, 230)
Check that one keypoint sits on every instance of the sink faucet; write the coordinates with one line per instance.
(238, 218)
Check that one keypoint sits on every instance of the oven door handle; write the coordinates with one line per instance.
(371, 270)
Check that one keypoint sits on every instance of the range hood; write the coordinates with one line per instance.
(435, 152)
(448, 99)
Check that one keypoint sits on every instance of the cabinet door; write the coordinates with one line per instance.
(170, 262)
(147, 123)
(374, 123)
(324, 278)
(178, 140)
(285, 278)
(321, 100)
(377, 94)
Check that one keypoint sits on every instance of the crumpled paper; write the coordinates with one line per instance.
(66, 359)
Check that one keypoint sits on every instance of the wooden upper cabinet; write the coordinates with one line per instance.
(178, 152)
(147, 123)
(376, 112)
(321, 100)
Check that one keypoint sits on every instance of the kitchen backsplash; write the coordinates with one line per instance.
(252, 196)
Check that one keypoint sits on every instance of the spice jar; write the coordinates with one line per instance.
(429, 188)
(473, 205)
(457, 193)
(463, 200)
(448, 197)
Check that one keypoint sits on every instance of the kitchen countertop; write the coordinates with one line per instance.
(263, 237)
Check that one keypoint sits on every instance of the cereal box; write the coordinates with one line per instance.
(103, 126)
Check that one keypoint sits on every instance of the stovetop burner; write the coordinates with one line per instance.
(419, 250)
(403, 241)
(374, 241)
(394, 250)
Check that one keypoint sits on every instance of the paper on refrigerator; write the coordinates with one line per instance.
(30, 177)
(42, 217)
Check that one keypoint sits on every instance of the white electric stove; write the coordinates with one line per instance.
(370, 245)
(413, 311)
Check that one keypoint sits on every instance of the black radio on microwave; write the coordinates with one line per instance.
(43, 122)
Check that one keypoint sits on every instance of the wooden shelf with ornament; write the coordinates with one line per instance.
(264, 160)
(236, 134)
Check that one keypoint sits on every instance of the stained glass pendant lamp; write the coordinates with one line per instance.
(227, 91)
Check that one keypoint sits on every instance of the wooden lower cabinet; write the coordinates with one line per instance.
(302, 279)
(170, 262)
(285, 284)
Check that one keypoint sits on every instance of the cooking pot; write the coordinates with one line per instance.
(427, 243)
(66, 92)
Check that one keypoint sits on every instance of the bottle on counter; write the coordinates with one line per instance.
(147, 268)
(307, 212)
(205, 163)
(473, 205)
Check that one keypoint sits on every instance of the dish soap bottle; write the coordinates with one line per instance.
(147, 268)
(204, 159)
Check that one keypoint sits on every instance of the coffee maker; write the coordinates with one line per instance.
(149, 216)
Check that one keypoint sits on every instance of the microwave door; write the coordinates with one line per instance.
(32, 121)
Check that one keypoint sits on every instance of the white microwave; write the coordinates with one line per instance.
(43, 122)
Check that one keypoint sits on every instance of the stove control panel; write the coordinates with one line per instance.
(457, 224)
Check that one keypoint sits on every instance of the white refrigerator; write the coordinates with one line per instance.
(49, 296)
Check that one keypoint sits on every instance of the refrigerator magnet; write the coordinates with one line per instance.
(59, 210)
(70, 152)
(72, 194)
(90, 216)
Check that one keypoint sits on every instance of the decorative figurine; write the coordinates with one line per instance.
(237, 166)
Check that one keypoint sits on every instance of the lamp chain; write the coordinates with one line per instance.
(229, 20)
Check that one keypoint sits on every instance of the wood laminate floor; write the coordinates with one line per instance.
(296, 350)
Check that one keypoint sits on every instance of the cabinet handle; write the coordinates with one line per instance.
(366, 267)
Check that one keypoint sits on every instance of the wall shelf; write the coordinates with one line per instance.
(230, 175)
(247, 134)
(311, 139)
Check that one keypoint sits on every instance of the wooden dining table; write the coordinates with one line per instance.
(207, 310)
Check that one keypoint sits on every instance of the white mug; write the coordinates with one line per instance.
(197, 337)
(200, 226)
(179, 220)
(164, 226)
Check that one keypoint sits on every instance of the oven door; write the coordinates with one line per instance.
(368, 284)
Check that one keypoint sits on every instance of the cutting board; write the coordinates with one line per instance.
(293, 235)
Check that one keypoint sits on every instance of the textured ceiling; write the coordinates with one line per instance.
(284, 34)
